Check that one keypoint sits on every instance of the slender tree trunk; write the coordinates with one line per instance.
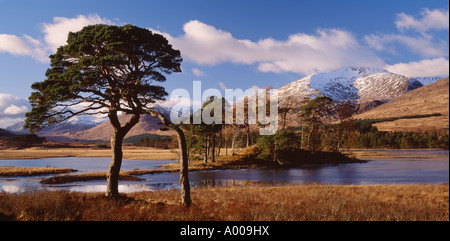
(219, 144)
(184, 159)
(226, 146)
(205, 159)
(301, 141)
(232, 142)
(311, 141)
(184, 169)
(248, 136)
(213, 147)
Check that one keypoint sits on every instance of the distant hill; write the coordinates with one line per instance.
(93, 128)
(104, 131)
(4, 133)
(429, 99)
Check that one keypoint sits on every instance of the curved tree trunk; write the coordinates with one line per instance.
(112, 186)
(184, 161)
(112, 177)
(184, 168)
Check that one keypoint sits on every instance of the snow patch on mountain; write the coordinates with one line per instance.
(354, 83)
(429, 80)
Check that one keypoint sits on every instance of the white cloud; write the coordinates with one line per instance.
(426, 67)
(222, 86)
(15, 110)
(437, 19)
(14, 45)
(303, 53)
(55, 35)
(325, 50)
(423, 45)
(421, 42)
(12, 106)
(198, 72)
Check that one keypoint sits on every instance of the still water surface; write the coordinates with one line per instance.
(414, 167)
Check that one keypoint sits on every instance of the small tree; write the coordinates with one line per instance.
(312, 115)
(345, 111)
(104, 69)
(288, 105)
(206, 133)
(278, 147)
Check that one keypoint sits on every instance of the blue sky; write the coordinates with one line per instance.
(234, 44)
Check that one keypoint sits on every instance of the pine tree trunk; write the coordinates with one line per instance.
(302, 140)
(205, 159)
(184, 169)
(226, 146)
(311, 141)
(232, 143)
(219, 144)
(184, 159)
(213, 147)
(248, 136)
(112, 177)
(112, 186)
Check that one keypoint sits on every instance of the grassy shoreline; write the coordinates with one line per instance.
(7, 171)
(132, 152)
(257, 203)
(129, 153)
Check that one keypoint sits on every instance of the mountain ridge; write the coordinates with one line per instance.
(354, 83)
(429, 99)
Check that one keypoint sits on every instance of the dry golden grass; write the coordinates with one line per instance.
(83, 177)
(364, 155)
(6, 171)
(279, 203)
(429, 124)
(130, 153)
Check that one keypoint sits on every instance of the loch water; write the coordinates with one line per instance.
(399, 167)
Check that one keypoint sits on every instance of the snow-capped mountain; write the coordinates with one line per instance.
(74, 124)
(354, 83)
(5, 123)
(15, 126)
(430, 80)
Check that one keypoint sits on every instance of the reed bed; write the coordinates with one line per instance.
(251, 203)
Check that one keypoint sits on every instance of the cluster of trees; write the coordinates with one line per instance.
(364, 135)
(157, 141)
(24, 141)
(205, 138)
(208, 140)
